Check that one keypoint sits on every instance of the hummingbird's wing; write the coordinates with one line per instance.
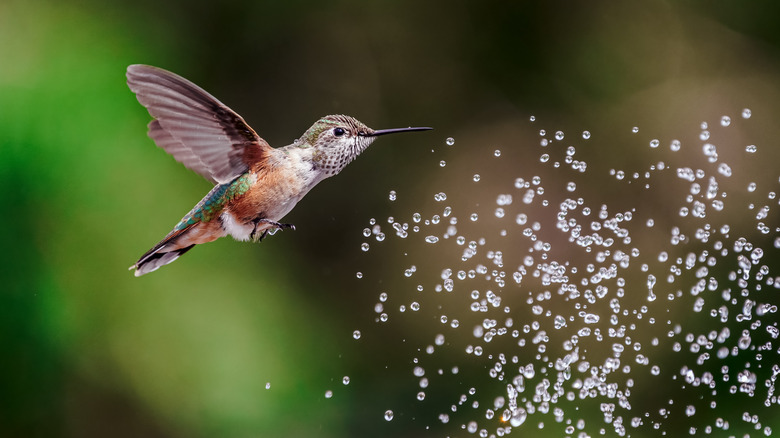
(197, 129)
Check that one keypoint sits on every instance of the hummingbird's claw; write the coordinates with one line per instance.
(277, 225)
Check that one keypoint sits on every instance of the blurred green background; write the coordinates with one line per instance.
(90, 351)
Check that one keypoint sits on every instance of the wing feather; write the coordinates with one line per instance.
(197, 129)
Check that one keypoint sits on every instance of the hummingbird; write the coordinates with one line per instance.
(255, 185)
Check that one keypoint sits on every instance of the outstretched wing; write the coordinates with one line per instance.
(198, 130)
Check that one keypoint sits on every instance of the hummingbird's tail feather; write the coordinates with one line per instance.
(175, 244)
(153, 261)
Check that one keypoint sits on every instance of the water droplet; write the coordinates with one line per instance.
(710, 150)
(591, 318)
(635, 129)
(364, 246)
(450, 141)
(725, 121)
(654, 143)
(518, 417)
(497, 153)
(751, 148)
(388, 415)
(476, 177)
(359, 274)
(431, 239)
(393, 196)
(345, 380)
(675, 145)
(559, 135)
(356, 334)
(268, 385)
(442, 163)
(746, 113)
(586, 134)
(328, 394)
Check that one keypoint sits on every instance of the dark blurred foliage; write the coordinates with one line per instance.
(89, 350)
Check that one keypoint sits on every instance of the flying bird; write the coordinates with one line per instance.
(255, 185)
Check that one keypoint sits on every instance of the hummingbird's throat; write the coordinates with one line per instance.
(333, 158)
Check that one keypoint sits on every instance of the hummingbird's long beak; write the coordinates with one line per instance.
(391, 131)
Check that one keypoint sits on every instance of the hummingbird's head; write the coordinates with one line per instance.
(339, 139)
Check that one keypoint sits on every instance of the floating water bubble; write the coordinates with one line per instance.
(328, 394)
(356, 334)
(518, 417)
(393, 196)
(585, 135)
(746, 113)
(268, 385)
(450, 141)
(559, 135)
(388, 415)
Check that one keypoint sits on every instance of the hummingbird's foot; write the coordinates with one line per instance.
(277, 225)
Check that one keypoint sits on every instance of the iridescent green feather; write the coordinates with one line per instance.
(309, 137)
(212, 204)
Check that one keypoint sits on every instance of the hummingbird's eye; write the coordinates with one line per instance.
(338, 132)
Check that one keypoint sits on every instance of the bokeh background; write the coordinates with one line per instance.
(90, 351)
